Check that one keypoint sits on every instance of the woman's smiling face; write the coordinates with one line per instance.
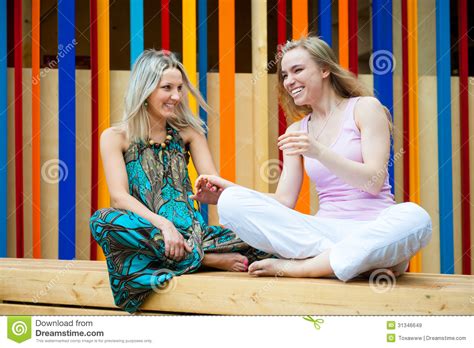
(164, 99)
(302, 77)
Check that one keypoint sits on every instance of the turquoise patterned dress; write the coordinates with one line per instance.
(134, 248)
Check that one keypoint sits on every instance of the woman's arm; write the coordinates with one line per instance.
(291, 178)
(112, 144)
(200, 152)
(368, 176)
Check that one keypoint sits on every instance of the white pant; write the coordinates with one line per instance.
(356, 246)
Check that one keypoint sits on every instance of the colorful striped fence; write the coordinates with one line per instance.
(224, 91)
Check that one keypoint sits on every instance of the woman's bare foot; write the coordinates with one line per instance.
(314, 267)
(232, 262)
(270, 267)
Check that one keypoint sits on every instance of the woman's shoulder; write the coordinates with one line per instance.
(188, 134)
(115, 136)
(296, 126)
(367, 102)
(367, 109)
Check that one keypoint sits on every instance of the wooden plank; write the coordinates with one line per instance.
(29, 309)
(241, 294)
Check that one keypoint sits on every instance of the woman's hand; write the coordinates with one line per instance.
(209, 188)
(176, 246)
(299, 143)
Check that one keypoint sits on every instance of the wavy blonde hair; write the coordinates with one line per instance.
(344, 83)
(144, 79)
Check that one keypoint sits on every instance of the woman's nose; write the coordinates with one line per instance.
(175, 96)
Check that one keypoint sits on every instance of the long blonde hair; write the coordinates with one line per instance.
(344, 83)
(144, 79)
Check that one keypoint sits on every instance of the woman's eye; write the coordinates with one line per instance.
(284, 77)
(298, 70)
(166, 87)
(180, 88)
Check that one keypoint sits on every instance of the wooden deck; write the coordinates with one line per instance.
(55, 287)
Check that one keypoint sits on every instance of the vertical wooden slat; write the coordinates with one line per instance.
(383, 62)
(103, 51)
(412, 16)
(36, 128)
(260, 93)
(443, 71)
(325, 20)
(94, 120)
(189, 61)
(227, 88)
(464, 134)
(165, 24)
(300, 28)
(202, 62)
(281, 39)
(67, 129)
(343, 16)
(406, 109)
(299, 18)
(353, 38)
(136, 30)
(3, 129)
(18, 58)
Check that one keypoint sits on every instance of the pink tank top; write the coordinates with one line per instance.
(338, 199)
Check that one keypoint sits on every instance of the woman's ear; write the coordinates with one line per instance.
(325, 72)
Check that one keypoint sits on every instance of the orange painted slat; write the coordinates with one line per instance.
(104, 95)
(414, 171)
(300, 28)
(344, 33)
(36, 127)
(227, 88)
(300, 18)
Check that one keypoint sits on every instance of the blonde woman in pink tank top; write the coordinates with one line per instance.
(343, 144)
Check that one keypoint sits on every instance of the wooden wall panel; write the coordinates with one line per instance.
(83, 162)
(49, 151)
(27, 170)
(213, 123)
(429, 197)
(244, 132)
(272, 123)
(456, 158)
(398, 149)
(11, 222)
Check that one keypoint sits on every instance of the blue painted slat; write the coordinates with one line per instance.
(136, 30)
(325, 20)
(202, 67)
(383, 64)
(67, 129)
(443, 71)
(3, 128)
